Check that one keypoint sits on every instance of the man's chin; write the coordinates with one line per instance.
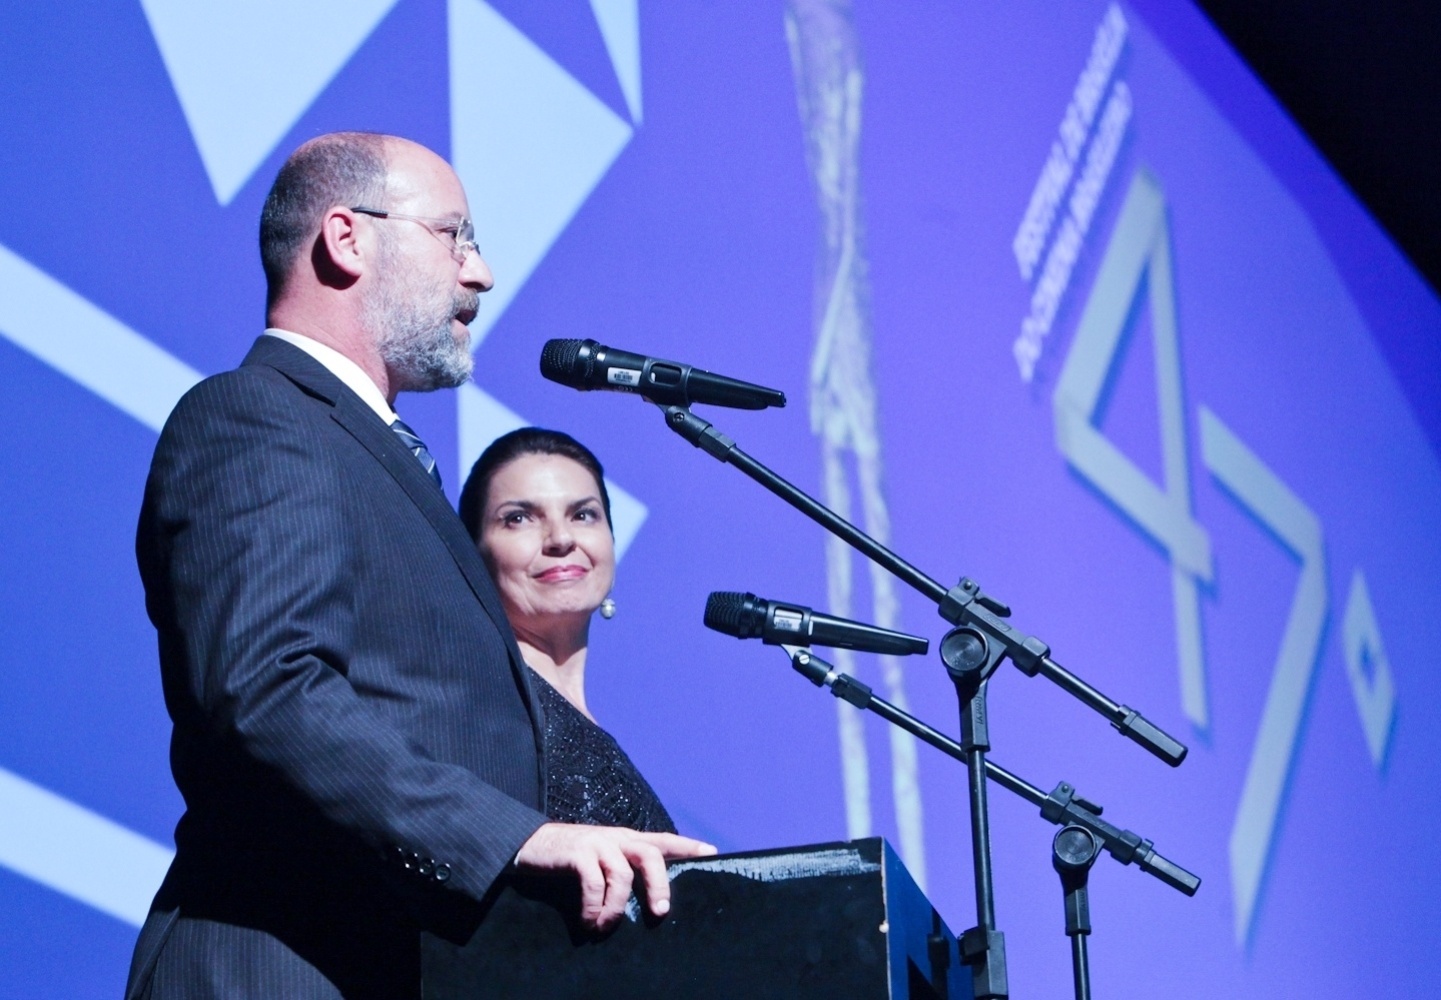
(465, 363)
(458, 372)
(449, 371)
(461, 328)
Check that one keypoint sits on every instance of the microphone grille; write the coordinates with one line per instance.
(559, 362)
(725, 612)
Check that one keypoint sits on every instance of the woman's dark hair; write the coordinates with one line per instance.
(506, 449)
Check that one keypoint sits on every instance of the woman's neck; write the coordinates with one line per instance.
(559, 658)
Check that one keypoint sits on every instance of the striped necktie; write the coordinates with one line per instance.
(417, 448)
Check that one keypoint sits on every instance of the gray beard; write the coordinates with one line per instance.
(413, 327)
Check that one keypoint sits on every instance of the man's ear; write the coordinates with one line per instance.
(340, 256)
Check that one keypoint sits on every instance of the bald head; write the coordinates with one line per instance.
(343, 168)
(363, 252)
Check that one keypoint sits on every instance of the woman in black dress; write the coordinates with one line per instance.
(537, 507)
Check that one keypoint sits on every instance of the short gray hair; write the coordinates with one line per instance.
(342, 168)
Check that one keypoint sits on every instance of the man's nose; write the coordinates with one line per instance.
(475, 272)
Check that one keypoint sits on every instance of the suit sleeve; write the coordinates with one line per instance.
(248, 568)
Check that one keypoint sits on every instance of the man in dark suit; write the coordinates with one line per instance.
(354, 732)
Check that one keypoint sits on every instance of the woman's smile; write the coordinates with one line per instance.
(562, 574)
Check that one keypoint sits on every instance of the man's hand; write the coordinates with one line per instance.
(605, 859)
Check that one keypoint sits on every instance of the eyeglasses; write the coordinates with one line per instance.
(457, 234)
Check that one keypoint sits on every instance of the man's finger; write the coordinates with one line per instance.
(592, 889)
(618, 881)
(649, 861)
(673, 845)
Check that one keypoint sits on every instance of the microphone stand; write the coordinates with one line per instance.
(1073, 852)
(971, 652)
(1076, 846)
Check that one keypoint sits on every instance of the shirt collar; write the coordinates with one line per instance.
(342, 368)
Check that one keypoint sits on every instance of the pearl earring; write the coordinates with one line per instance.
(607, 609)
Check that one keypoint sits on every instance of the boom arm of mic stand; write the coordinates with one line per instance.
(964, 604)
(1061, 807)
(704, 436)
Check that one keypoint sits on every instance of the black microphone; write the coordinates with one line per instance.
(747, 616)
(585, 364)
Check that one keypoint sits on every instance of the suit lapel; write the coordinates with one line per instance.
(362, 423)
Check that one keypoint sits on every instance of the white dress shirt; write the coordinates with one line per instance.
(342, 368)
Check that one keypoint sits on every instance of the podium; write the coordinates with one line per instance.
(831, 920)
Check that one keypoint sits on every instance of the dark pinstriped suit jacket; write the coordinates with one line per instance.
(354, 731)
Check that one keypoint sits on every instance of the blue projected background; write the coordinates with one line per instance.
(1061, 300)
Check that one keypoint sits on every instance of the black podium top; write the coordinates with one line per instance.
(831, 920)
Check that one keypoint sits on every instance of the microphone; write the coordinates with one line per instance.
(585, 364)
(776, 623)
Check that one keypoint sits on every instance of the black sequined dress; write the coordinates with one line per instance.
(589, 777)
